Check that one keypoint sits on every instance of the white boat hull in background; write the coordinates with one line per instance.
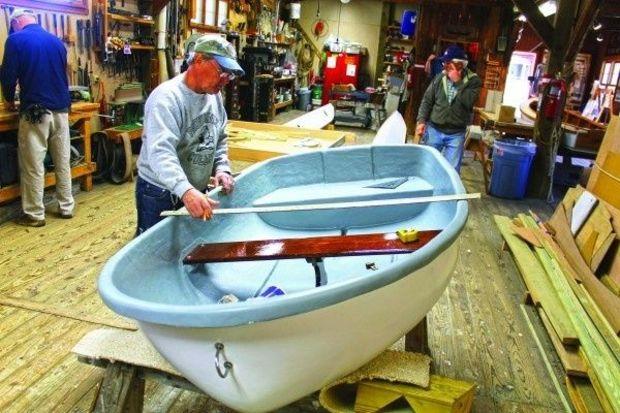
(280, 361)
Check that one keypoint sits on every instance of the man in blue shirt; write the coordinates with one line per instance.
(37, 60)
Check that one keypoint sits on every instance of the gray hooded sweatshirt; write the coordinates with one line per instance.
(184, 141)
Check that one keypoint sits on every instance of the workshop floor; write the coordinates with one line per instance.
(479, 330)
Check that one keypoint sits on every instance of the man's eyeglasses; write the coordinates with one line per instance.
(228, 76)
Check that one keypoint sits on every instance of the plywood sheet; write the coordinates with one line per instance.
(611, 143)
(120, 345)
(250, 141)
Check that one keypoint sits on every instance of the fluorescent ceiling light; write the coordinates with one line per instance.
(597, 26)
(599, 38)
(548, 8)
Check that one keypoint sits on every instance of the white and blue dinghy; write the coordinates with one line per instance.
(260, 309)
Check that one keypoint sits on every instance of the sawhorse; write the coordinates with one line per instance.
(129, 359)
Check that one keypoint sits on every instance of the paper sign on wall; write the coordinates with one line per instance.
(351, 70)
(331, 62)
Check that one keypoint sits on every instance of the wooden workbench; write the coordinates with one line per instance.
(521, 127)
(80, 115)
(250, 141)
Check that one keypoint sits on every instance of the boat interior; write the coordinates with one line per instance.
(152, 267)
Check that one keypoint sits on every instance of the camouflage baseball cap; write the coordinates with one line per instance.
(221, 50)
(18, 12)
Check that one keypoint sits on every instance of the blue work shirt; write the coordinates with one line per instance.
(38, 60)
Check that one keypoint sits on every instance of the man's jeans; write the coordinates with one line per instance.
(451, 146)
(151, 200)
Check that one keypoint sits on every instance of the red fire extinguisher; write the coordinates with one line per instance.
(551, 103)
(410, 70)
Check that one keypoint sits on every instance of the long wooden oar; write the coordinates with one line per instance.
(335, 205)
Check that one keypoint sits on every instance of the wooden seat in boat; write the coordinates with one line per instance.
(313, 249)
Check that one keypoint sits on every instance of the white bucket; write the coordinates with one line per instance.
(295, 10)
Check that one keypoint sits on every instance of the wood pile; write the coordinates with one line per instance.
(571, 268)
(581, 314)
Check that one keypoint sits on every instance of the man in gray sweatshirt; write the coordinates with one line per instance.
(447, 106)
(184, 141)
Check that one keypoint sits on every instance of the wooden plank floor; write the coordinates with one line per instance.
(477, 330)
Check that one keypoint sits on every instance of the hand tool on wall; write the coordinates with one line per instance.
(80, 38)
(98, 26)
(80, 73)
(39, 19)
(62, 27)
(87, 75)
(55, 25)
(87, 37)
(47, 23)
(70, 38)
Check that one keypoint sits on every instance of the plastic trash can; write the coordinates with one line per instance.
(512, 160)
(303, 99)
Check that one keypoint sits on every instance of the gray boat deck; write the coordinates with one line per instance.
(478, 331)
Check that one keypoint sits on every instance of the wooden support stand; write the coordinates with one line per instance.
(122, 390)
(444, 395)
(120, 158)
(129, 360)
(416, 340)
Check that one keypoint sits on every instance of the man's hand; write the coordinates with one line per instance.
(198, 204)
(225, 180)
(420, 129)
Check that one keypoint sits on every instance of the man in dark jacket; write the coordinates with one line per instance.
(447, 106)
(38, 61)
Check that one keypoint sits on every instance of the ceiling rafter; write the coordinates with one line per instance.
(539, 23)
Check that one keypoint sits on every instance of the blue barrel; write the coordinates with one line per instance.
(407, 27)
(512, 160)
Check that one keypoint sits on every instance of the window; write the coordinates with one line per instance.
(615, 74)
(605, 73)
(208, 14)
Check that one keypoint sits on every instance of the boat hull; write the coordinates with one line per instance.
(279, 361)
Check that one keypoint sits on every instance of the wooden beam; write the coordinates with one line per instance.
(158, 6)
(607, 301)
(459, 2)
(538, 283)
(563, 25)
(55, 310)
(588, 11)
(600, 360)
(539, 23)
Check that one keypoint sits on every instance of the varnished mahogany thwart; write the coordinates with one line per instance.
(313, 247)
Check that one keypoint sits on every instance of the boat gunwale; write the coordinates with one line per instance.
(215, 315)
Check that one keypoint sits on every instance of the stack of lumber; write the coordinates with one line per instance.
(562, 271)
(604, 180)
